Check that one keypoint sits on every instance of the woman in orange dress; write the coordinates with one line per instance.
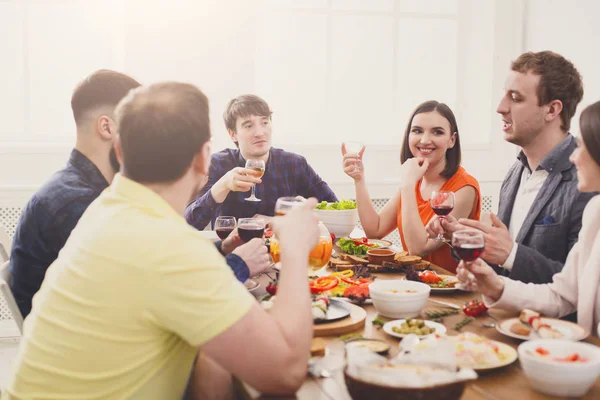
(430, 159)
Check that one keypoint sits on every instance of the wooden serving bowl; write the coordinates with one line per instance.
(361, 390)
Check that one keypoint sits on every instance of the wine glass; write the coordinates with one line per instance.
(442, 203)
(258, 170)
(285, 204)
(321, 254)
(354, 148)
(250, 228)
(224, 226)
(468, 244)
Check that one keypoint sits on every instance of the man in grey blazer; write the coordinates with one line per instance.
(540, 208)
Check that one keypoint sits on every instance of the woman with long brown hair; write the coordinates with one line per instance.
(430, 161)
(577, 286)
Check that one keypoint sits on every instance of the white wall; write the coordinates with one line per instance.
(331, 70)
(571, 29)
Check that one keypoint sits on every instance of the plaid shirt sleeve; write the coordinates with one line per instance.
(313, 185)
(236, 263)
(202, 210)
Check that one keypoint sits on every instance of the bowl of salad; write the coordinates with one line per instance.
(340, 217)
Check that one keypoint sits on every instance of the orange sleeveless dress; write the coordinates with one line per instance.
(460, 179)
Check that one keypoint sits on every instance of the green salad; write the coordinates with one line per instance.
(338, 205)
(356, 247)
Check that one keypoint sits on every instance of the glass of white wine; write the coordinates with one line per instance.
(258, 170)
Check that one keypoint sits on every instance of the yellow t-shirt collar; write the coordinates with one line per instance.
(142, 196)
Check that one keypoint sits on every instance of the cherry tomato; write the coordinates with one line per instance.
(332, 237)
(272, 288)
(474, 308)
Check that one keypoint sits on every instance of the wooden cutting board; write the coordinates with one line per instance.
(354, 321)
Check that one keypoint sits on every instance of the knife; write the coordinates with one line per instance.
(443, 303)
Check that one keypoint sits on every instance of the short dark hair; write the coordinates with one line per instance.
(103, 88)
(245, 106)
(162, 127)
(453, 154)
(559, 80)
(589, 125)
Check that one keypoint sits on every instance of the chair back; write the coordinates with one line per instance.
(5, 244)
(8, 305)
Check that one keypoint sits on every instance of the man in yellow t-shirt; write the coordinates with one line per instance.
(136, 292)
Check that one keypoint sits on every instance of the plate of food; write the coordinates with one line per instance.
(531, 325)
(476, 352)
(422, 328)
(360, 246)
(375, 345)
(343, 285)
(326, 309)
(438, 283)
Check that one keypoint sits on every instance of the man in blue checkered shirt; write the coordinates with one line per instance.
(248, 122)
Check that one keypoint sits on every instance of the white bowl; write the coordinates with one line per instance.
(401, 304)
(339, 222)
(396, 289)
(557, 378)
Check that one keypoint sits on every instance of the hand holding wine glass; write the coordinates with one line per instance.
(286, 204)
(479, 276)
(258, 170)
(352, 161)
(468, 245)
(442, 203)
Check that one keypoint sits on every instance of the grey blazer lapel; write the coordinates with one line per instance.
(508, 193)
(545, 194)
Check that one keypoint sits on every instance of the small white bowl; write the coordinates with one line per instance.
(559, 378)
(400, 304)
(339, 222)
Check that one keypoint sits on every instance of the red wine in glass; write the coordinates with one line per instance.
(442, 210)
(247, 233)
(222, 233)
(469, 252)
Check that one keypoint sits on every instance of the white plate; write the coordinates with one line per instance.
(387, 328)
(508, 353)
(337, 310)
(251, 285)
(367, 301)
(449, 278)
(570, 330)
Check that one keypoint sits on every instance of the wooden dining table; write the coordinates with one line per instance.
(505, 383)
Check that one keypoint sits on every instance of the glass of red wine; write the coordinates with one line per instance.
(442, 203)
(250, 228)
(468, 244)
(224, 226)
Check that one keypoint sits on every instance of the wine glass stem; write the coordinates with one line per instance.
(439, 235)
(253, 195)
